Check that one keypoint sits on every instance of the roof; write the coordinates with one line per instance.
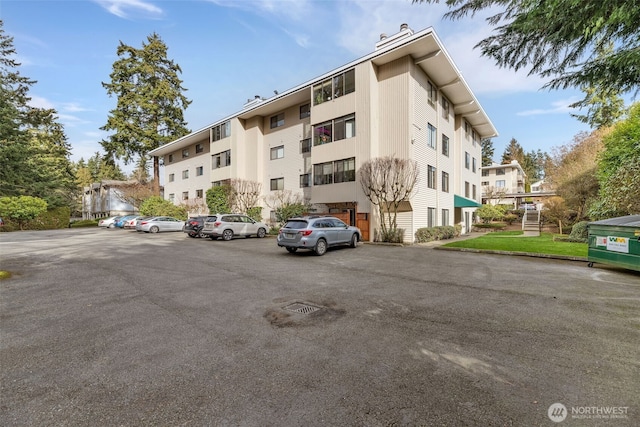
(423, 46)
(624, 221)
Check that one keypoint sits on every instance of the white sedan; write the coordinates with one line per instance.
(159, 223)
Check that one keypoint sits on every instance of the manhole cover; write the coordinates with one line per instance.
(302, 308)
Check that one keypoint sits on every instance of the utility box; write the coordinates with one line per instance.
(615, 241)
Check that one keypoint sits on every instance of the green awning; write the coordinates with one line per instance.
(463, 202)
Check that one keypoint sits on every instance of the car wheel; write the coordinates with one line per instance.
(154, 229)
(227, 235)
(193, 235)
(200, 235)
(291, 250)
(321, 247)
(261, 233)
(354, 240)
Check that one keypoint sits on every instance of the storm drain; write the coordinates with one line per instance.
(302, 308)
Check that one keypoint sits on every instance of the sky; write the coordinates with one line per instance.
(232, 50)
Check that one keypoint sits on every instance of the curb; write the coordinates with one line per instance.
(527, 254)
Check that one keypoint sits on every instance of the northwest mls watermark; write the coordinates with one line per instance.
(557, 412)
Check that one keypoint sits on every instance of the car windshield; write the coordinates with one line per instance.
(296, 224)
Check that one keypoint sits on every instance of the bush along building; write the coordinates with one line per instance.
(406, 99)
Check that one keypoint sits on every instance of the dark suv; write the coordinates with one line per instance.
(193, 226)
(317, 233)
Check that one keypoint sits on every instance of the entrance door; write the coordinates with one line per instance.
(467, 225)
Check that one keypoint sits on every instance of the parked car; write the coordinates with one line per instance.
(108, 222)
(131, 223)
(317, 233)
(1, 222)
(157, 224)
(194, 225)
(122, 220)
(229, 226)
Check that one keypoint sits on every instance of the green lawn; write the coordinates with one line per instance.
(514, 241)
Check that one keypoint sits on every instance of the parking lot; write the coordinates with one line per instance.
(114, 327)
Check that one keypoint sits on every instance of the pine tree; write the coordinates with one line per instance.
(150, 106)
(513, 151)
(487, 152)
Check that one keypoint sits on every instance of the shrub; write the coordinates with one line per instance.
(510, 218)
(442, 232)
(22, 209)
(488, 213)
(494, 226)
(579, 232)
(156, 206)
(389, 236)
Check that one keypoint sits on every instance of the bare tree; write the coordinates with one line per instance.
(286, 204)
(388, 181)
(490, 193)
(134, 192)
(244, 194)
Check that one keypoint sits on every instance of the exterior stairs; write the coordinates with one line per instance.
(531, 222)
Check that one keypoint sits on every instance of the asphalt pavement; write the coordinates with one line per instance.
(113, 327)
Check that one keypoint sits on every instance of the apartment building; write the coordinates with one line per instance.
(406, 99)
(503, 184)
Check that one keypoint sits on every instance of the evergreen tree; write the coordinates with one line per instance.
(34, 151)
(150, 105)
(513, 151)
(487, 152)
(561, 39)
(603, 102)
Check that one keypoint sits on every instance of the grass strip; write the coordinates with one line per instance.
(514, 241)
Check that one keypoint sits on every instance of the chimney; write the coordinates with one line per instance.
(385, 40)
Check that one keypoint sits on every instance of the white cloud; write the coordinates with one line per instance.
(126, 8)
(557, 107)
(40, 102)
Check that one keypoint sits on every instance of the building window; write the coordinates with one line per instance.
(221, 160)
(170, 158)
(431, 217)
(445, 108)
(467, 160)
(185, 153)
(466, 189)
(473, 165)
(323, 173)
(199, 148)
(277, 184)
(305, 180)
(467, 129)
(277, 152)
(445, 182)
(445, 145)
(445, 216)
(431, 177)
(220, 183)
(172, 197)
(185, 174)
(485, 172)
(501, 183)
(172, 177)
(277, 121)
(305, 111)
(432, 94)
(334, 87)
(185, 195)
(199, 194)
(475, 137)
(473, 191)
(221, 131)
(334, 130)
(500, 171)
(431, 136)
(305, 145)
(344, 127)
(345, 170)
(484, 183)
(199, 170)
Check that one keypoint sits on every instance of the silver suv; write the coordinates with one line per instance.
(228, 226)
(317, 233)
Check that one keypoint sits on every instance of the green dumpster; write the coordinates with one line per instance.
(615, 241)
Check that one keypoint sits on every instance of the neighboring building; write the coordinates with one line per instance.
(102, 199)
(406, 99)
(503, 184)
